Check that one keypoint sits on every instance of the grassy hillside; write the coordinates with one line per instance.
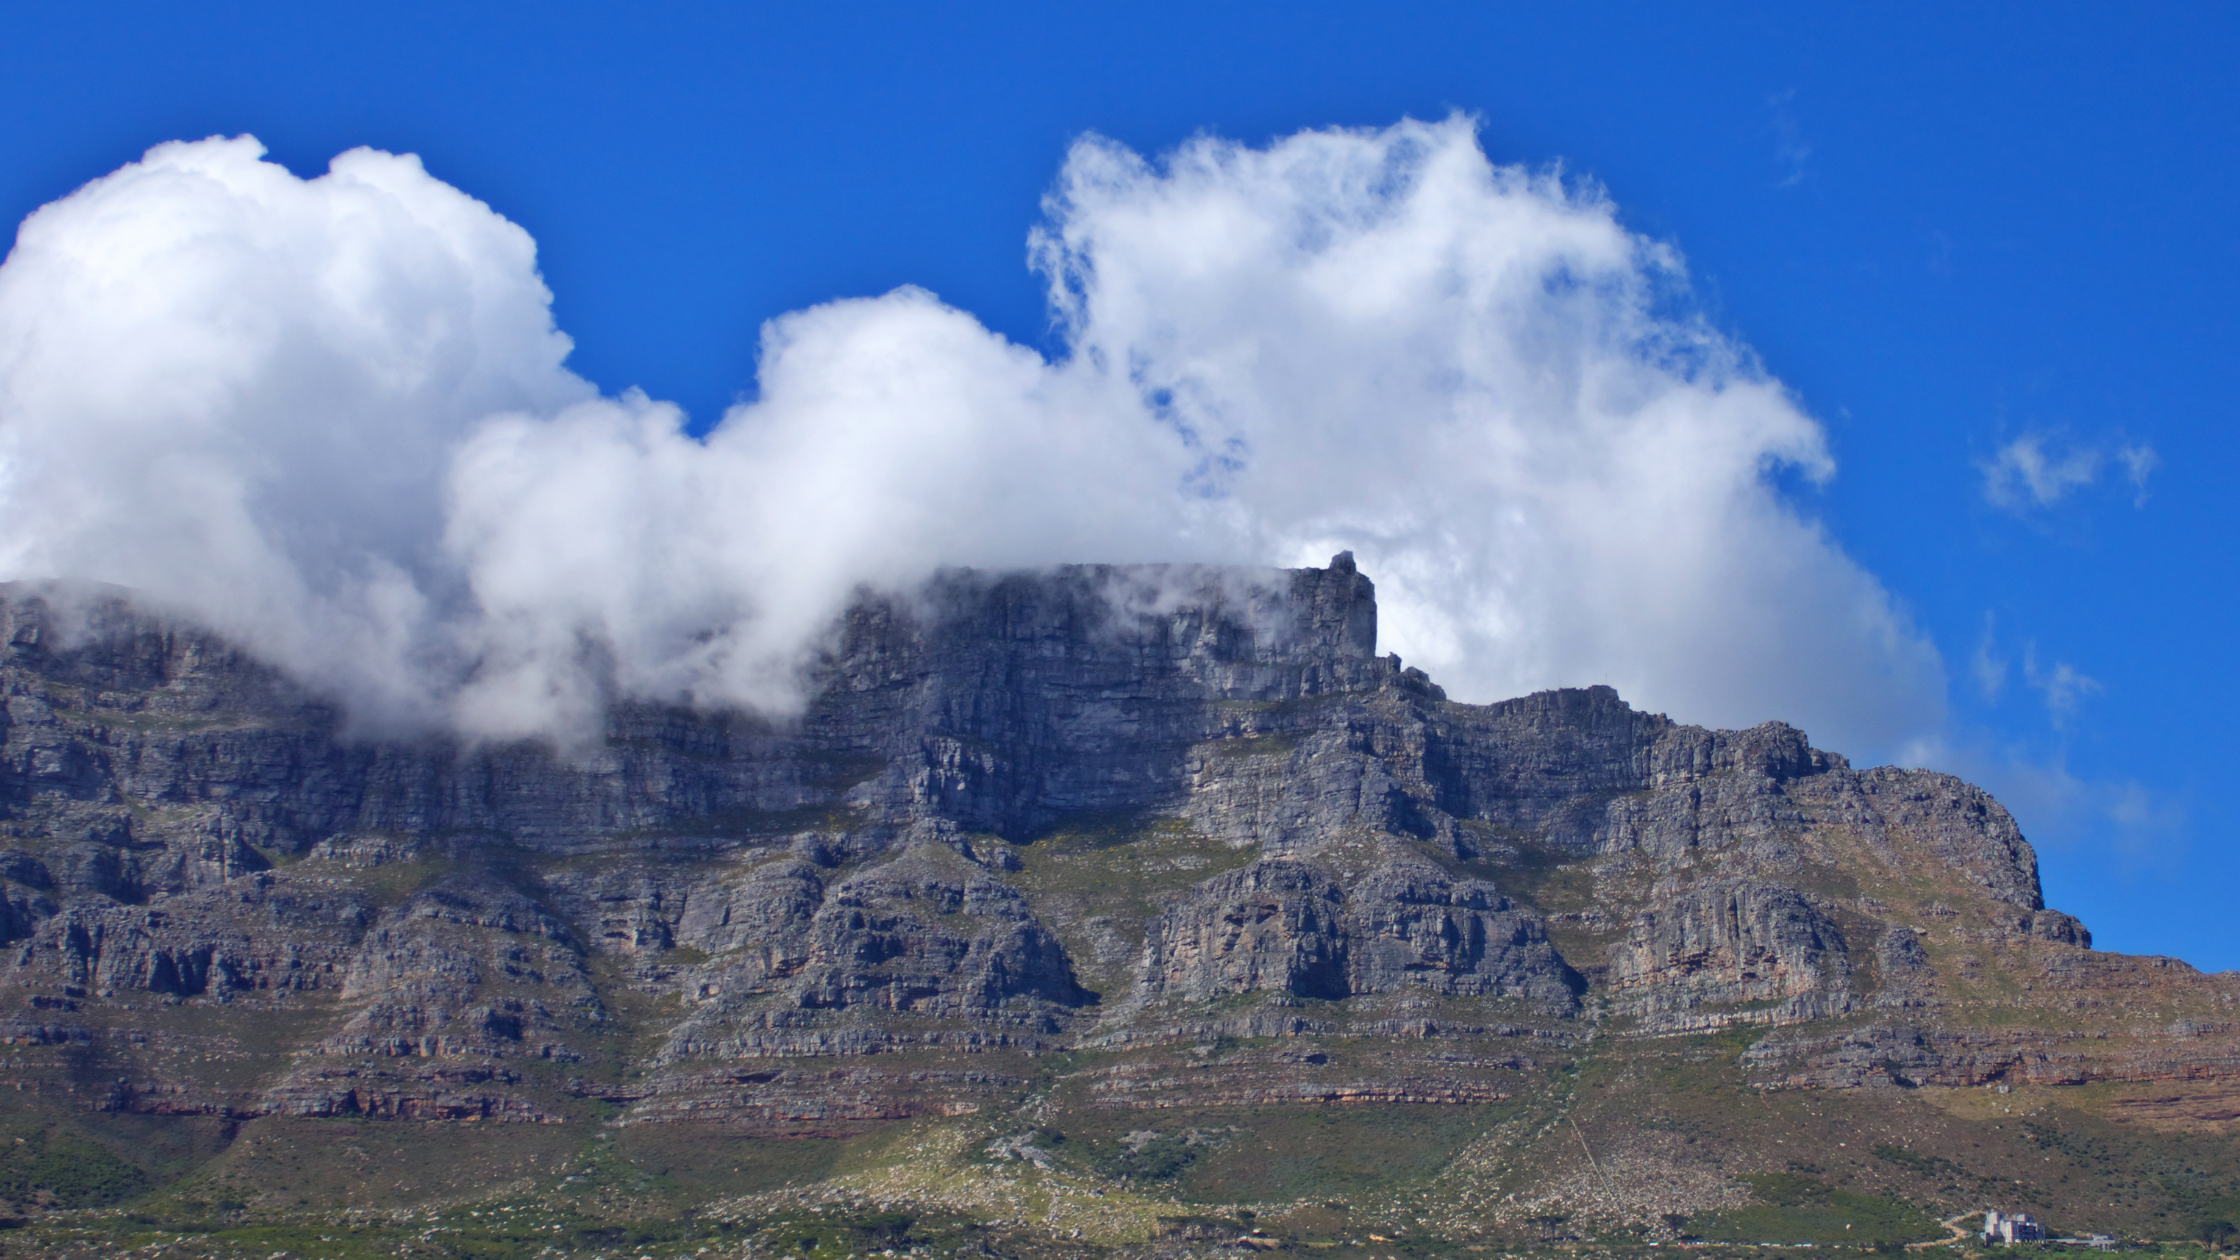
(1611, 1150)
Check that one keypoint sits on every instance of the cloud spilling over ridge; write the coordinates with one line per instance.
(332, 418)
(237, 392)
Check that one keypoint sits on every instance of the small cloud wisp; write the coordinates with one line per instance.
(2035, 471)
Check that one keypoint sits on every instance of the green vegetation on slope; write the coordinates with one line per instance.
(1799, 1209)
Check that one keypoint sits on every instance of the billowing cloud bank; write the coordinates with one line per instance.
(332, 417)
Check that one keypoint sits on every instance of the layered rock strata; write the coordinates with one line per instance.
(1115, 810)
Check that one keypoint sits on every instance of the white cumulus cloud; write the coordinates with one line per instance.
(237, 392)
(331, 416)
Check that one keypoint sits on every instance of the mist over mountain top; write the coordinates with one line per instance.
(332, 417)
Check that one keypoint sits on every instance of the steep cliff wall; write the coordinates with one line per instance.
(1120, 809)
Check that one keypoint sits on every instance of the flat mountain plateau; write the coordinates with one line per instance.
(1095, 911)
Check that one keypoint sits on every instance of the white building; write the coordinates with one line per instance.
(1998, 1227)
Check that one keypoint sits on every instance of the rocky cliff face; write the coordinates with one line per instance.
(1106, 810)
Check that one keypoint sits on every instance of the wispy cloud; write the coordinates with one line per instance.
(2039, 470)
(2138, 461)
(2058, 809)
(2064, 686)
(2025, 473)
(1790, 149)
(2143, 816)
(1986, 664)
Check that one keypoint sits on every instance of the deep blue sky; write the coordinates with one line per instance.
(1944, 226)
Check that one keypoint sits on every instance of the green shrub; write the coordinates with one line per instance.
(1798, 1209)
(77, 1172)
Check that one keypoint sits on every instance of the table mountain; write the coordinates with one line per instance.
(1082, 847)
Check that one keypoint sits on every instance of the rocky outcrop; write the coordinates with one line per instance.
(1273, 925)
(1288, 926)
(913, 936)
(1730, 942)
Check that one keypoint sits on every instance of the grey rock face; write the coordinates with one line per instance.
(1731, 941)
(1904, 964)
(1019, 812)
(1289, 926)
(1409, 925)
(913, 936)
(1743, 950)
(1273, 925)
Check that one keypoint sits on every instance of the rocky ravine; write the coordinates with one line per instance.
(1111, 811)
